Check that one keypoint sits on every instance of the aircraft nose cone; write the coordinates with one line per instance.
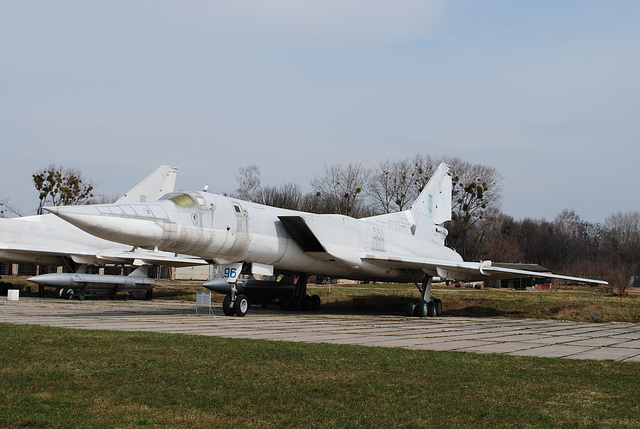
(84, 217)
(112, 227)
(65, 211)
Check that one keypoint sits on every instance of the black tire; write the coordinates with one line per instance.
(284, 303)
(227, 307)
(305, 303)
(411, 308)
(315, 302)
(241, 306)
(438, 307)
(294, 303)
(430, 309)
(422, 308)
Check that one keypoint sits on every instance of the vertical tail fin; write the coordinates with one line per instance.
(158, 183)
(433, 205)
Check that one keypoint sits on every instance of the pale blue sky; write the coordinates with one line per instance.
(546, 92)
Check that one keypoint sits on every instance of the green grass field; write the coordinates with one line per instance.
(59, 378)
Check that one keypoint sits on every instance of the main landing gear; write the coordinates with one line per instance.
(300, 300)
(303, 303)
(425, 306)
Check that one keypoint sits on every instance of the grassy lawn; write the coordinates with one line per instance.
(52, 377)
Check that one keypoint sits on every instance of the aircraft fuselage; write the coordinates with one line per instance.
(226, 230)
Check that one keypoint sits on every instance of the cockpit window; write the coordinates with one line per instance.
(182, 200)
(168, 196)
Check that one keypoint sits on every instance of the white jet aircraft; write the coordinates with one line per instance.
(248, 238)
(48, 240)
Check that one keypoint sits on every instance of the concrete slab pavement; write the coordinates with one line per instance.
(519, 337)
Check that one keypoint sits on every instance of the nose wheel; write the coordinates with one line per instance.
(237, 307)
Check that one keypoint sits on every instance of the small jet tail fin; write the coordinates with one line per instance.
(433, 205)
(158, 183)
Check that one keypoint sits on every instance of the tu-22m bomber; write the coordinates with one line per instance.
(252, 239)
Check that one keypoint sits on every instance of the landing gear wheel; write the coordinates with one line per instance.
(305, 303)
(284, 303)
(294, 303)
(422, 308)
(437, 304)
(69, 293)
(315, 302)
(227, 307)
(411, 308)
(430, 309)
(241, 306)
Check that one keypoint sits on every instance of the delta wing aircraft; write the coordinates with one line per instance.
(48, 240)
(247, 238)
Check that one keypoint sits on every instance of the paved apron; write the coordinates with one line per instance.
(520, 337)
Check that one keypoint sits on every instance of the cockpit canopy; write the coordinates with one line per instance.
(179, 199)
(182, 199)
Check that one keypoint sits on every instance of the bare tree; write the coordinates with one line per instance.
(340, 189)
(622, 238)
(5, 208)
(287, 196)
(623, 235)
(311, 202)
(59, 186)
(392, 186)
(500, 239)
(575, 239)
(249, 181)
(423, 168)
